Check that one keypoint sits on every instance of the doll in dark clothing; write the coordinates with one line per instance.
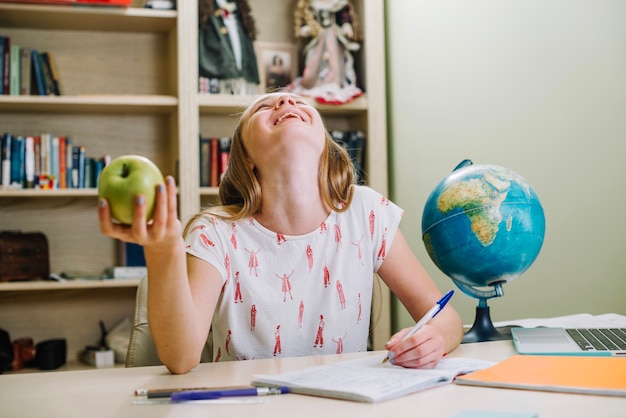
(226, 51)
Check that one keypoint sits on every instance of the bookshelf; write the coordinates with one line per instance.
(129, 84)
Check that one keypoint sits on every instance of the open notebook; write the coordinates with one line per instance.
(570, 341)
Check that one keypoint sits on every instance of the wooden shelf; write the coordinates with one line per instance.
(107, 19)
(90, 104)
(37, 285)
(226, 104)
(49, 193)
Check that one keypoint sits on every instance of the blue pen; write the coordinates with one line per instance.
(424, 320)
(197, 395)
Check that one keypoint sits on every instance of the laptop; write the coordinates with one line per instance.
(570, 341)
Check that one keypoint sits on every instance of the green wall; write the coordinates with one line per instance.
(538, 86)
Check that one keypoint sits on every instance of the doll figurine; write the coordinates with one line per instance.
(225, 46)
(330, 28)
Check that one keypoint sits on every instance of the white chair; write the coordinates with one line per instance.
(141, 349)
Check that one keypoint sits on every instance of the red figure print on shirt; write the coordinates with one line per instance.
(206, 241)
(219, 354)
(342, 297)
(326, 276)
(372, 221)
(286, 287)
(252, 318)
(384, 201)
(227, 265)
(253, 262)
(197, 227)
(238, 297)
(233, 236)
(359, 310)
(337, 236)
(277, 347)
(323, 227)
(319, 337)
(359, 254)
(227, 343)
(339, 342)
(309, 256)
(382, 253)
(300, 313)
(280, 238)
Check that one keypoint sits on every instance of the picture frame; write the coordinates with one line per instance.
(278, 65)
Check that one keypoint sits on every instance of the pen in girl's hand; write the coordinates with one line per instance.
(424, 320)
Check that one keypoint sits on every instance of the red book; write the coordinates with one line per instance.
(215, 165)
(62, 163)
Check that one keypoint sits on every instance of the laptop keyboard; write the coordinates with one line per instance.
(603, 339)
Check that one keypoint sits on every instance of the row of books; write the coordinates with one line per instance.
(214, 157)
(353, 141)
(215, 154)
(27, 71)
(47, 162)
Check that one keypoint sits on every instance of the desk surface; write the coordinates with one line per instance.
(110, 393)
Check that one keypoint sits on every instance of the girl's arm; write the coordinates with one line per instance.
(410, 282)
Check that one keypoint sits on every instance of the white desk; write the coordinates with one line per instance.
(110, 393)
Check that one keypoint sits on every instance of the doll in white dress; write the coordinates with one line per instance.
(329, 26)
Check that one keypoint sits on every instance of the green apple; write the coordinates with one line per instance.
(123, 179)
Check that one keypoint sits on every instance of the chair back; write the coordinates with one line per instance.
(141, 348)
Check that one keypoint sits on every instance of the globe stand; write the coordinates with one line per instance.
(483, 328)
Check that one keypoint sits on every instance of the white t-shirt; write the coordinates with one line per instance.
(296, 295)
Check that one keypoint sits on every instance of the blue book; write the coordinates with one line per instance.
(37, 73)
(18, 158)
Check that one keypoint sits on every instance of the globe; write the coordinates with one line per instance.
(483, 226)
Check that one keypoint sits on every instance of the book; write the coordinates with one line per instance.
(29, 163)
(51, 70)
(25, 71)
(37, 76)
(62, 163)
(4, 41)
(214, 167)
(45, 75)
(45, 155)
(69, 157)
(368, 379)
(573, 374)
(205, 160)
(54, 161)
(18, 156)
(14, 70)
(5, 150)
(224, 157)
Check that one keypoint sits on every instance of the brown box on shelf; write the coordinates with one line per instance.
(23, 256)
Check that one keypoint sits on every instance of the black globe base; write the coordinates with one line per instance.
(483, 329)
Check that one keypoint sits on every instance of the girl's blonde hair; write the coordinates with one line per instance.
(240, 192)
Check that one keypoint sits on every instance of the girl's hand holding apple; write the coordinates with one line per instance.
(132, 192)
